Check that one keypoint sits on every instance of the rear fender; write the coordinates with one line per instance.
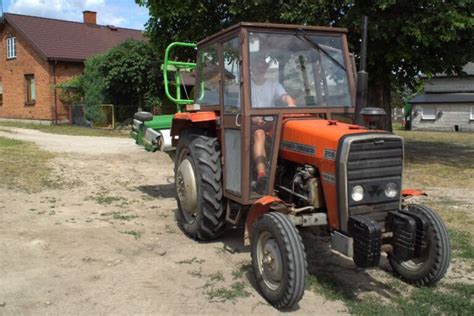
(257, 210)
(185, 120)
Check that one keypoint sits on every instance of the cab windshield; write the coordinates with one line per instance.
(300, 69)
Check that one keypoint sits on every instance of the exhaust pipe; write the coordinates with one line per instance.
(362, 77)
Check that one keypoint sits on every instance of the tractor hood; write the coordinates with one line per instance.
(304, 140)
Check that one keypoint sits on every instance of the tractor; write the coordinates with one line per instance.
(263, 144)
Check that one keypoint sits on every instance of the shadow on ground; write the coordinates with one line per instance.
(337, 275)
(426, 152)
(160, 191)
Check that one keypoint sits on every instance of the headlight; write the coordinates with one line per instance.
(357, 193)
(391, 190)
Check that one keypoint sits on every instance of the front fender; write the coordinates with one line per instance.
(257, 210)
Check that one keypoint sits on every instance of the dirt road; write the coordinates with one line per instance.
(107, 243)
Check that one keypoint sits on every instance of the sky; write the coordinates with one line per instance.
(122, 13)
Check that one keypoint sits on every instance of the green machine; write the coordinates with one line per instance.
(153, 131)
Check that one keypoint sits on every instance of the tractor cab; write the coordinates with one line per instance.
(256, 75)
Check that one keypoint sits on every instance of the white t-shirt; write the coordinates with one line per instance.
(267, 94)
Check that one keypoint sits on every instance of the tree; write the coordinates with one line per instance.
(131, 73)
(405, 37)
(128, 74)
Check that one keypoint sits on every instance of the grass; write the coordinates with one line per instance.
(119, 215)
(235, 291)
(104, 199)
(135, 233)
(190, 261)
(24, 167)
(244, 267)
(66, 129)
(462, 244)
(214, 288)
(451, 299)
(455, 299)
(439, 159)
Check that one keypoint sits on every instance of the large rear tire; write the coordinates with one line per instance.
(434, 261)
(279, 260)
(198, 179)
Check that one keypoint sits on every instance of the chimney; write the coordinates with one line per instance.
(90, 17)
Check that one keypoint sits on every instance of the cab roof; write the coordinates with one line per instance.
(270, 26)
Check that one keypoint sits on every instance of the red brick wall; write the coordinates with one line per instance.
(64, 72)
(12, 74)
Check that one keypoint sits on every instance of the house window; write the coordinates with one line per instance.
(472, 113)
(1, 93)
(30, 89)
(428, 113)
(11, 47)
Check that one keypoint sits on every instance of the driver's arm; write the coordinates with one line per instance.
(284, 96)
(288, 100)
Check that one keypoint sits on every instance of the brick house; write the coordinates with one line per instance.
(37, 53)
(447, 103)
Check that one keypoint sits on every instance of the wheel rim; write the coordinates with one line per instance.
(417, 263)
(186, 188)
(269, 261)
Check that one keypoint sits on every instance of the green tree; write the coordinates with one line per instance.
(128, 74)
(405, 37)
(131, 73)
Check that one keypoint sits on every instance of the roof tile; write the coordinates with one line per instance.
(69, 41)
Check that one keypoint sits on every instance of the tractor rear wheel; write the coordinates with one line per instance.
(434, 261)
(279, 260)
(199, 186)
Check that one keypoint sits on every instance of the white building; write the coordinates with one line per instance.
(447, 103)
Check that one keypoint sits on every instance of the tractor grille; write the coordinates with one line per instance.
(372, 163)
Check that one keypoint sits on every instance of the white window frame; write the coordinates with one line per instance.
(430, 116)
(11, 47)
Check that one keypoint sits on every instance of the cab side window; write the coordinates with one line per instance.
(207, 89)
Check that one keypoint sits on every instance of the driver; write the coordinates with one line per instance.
(265, 93)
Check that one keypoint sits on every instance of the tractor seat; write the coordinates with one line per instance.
(143, 116)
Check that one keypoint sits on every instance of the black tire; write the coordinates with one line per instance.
(203, 153)
(283, 233)
(434, 263)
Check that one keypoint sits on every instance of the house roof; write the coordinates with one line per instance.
(442, 98)
(59, 40)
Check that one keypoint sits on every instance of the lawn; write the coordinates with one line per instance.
(439, 159)
(68, 129)
(23, 166)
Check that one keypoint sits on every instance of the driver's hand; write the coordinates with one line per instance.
(258, 120)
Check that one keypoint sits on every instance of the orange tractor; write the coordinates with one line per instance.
(260, 145)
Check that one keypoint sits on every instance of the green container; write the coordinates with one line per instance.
(160, 122)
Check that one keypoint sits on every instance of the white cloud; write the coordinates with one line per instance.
(70, 10)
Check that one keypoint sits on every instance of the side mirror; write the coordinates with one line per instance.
(372, 116)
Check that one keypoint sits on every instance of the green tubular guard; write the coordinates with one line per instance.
(177, 65)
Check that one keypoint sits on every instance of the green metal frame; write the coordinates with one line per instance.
(161, 122)
(177, 65)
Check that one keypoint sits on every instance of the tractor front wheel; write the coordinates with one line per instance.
(199, 187)
(278, 260)
(434, 261)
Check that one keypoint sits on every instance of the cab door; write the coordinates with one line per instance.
(232, 116)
